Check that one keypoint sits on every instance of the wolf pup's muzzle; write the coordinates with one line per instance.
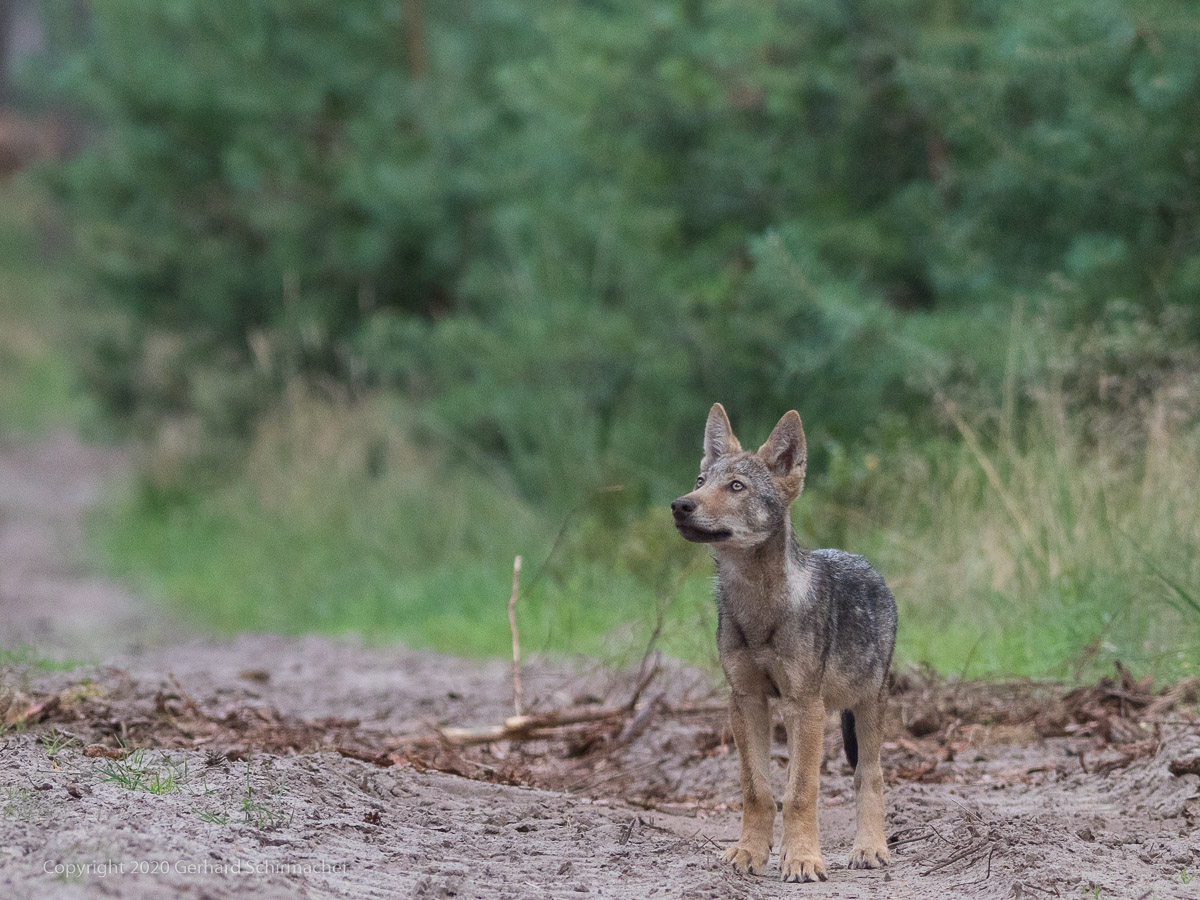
(682, 509)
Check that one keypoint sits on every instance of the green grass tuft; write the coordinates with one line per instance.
(267, 810)
(141, 771)
(55, 742)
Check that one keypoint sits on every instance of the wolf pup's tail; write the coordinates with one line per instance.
(849, 738)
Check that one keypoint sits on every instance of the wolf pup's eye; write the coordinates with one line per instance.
(699, 480)
(736, 486)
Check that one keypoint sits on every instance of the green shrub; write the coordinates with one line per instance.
(565, 230)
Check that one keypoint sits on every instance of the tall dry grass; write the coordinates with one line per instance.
(1048, 549)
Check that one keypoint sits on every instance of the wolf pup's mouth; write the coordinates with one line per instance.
(702, 535)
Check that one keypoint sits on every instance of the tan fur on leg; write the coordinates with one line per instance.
(800, 853)
(870, 845)
(751, 724)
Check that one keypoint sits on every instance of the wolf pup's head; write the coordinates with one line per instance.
(742, 498)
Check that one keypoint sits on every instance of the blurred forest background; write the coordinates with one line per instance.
(390, 291)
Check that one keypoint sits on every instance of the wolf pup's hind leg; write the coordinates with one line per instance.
(870, 846)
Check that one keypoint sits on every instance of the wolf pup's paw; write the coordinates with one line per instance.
(802, 866)
(869, 857)
(748, 859)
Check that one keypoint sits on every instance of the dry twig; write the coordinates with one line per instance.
(535, 725)
(187, 698)
(516, 642)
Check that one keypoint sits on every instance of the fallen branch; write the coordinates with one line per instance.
(973, 853)
(644, 683)
(699, 709)
(379, 759)
(986, 875)
(534, 726)
(524, 728)
(902, 836)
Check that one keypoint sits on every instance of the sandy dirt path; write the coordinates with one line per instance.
(50, 600)
(239, 791)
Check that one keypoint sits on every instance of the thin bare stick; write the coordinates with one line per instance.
(973, 853)
(645, 678)
(663, 606)
(911, 840)
(710, 840)
(518, 706)
(637, 724)
(187, 698)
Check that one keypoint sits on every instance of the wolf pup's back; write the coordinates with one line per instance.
(862, 616)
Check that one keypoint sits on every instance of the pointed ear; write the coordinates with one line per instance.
(785, 452)
(718, 437)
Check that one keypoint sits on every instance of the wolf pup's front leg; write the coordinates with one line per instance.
(750, 721)
(800, 854)
(813, 629)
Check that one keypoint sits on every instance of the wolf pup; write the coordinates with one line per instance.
(813, 628)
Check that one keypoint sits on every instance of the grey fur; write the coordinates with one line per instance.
(829, 607)
(834, 611)
(815, 629)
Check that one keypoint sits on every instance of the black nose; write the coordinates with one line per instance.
(683, 507)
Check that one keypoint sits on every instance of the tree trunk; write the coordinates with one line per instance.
(414, 25)
(6, 18)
